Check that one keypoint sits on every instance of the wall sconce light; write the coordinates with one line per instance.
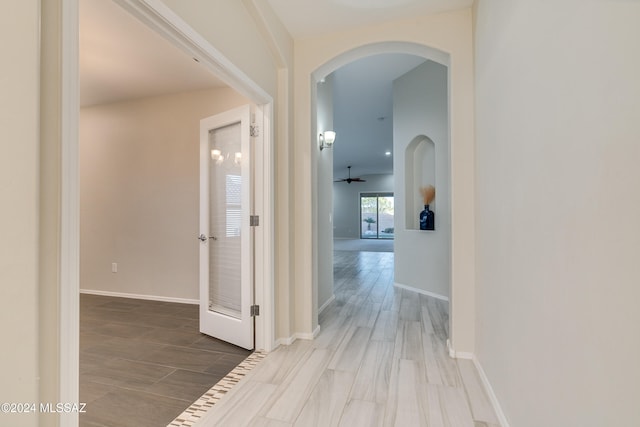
(326, 139)
(237, 158)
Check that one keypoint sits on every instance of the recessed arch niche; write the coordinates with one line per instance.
(420, 171)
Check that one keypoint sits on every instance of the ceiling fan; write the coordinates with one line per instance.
(350, 180)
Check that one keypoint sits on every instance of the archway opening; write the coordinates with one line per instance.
(432, 118)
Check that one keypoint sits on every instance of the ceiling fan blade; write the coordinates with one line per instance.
(349, 180)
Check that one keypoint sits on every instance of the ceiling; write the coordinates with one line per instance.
(363, 113)
(120, 59)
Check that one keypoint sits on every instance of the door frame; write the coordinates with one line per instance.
(160, 18)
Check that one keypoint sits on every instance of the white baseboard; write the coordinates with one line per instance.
(458, 354)
(298, 336)
(139, 296)
(284, 341)
(307, 336)
(326, 304)
(421, 291)
(502, 419)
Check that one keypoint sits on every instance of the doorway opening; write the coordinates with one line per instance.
(162, 21)
(376, 213)
(409, 114)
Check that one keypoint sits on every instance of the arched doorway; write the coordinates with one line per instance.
(322, 256)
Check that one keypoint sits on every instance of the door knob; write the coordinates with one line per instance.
(204, 238)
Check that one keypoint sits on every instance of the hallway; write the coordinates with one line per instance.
(379, 360)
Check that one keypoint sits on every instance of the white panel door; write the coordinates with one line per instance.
(226, 242)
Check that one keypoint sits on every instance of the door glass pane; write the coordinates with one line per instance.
(376, 215)
(225, 207)
(385, 217)
(369, 213)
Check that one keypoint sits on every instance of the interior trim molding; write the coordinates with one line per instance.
(421, 291)
(502, 419)
(458, 354)
(326, 304)
(308, 336)
(298, 336)
(139, 296)
(69, 273)
(161, 18)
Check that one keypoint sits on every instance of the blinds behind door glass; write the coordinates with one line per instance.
(225, 221)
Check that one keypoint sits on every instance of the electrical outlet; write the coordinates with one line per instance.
(114, 267)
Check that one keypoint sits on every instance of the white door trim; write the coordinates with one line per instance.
(69, 306)
(163, 20)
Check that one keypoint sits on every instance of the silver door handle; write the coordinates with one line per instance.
(204, 238)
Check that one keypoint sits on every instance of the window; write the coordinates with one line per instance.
(376, 216)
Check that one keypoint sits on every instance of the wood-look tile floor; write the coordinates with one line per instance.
(144, 362)
(379, 360)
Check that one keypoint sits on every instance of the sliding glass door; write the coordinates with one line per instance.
(376, 216)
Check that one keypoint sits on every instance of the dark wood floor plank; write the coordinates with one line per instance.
(144, 362)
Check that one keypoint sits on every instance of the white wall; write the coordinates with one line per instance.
(324, 209)
(558, 237)
(420, 108)
(451, 33)
(346, 203)
(19, 192)
(230, 28)
(139, 174)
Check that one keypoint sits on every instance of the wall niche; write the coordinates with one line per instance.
(420, 171)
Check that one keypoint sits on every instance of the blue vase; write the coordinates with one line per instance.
(427, 219)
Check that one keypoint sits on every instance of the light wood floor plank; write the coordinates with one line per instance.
(349, 355)
(480, 405)
(385, 327)
(410, 411)
(283, 361)
(266, 422)
(234, 410)
(359, 413)
(372, 381)
(380, 360)
(327, 401)
(293, 393)
(456, 407)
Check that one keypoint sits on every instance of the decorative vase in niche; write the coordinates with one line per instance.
(427, 219)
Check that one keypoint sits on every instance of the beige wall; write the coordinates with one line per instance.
(448, 32)
(420, 108)
(324, 208)
(19, 193)
(139, 192)
(558, 237)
